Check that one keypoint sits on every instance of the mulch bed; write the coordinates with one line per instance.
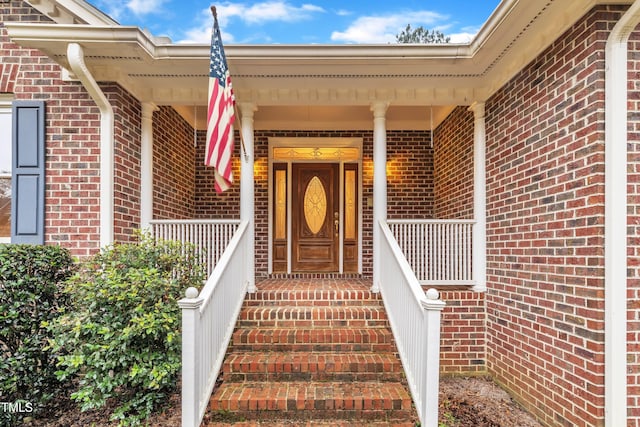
(464, 401)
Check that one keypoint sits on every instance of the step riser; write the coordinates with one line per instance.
(332, 323)
(289, 317)
(312, 376)
(370, 340)
(341, 347)
(309, 303)
(294, 416)
(310, 296)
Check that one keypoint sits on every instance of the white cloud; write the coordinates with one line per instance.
(267, 11)
(383, 29)
(461, 37)
(254, 14)
(144, 7)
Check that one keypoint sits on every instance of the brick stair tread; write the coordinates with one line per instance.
(355, 397)
(312, 423)
(317, 316)
(325, 366)
(317, 339)
(323, 294)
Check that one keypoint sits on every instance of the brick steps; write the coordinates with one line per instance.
(313, 339)
(313, 316)
(368, 400)
(312, 352)
(311, 366)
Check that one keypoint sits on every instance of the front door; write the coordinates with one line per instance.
(315, 217)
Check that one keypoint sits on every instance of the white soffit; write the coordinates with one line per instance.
(155, 70)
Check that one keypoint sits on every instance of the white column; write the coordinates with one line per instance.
(479, 198)
(247, 185)
(379, 183)
(146, 165)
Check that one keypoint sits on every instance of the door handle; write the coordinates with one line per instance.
(336, 224)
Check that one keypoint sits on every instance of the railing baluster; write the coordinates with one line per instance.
(209, 318)
(439, 251)
(210, 237)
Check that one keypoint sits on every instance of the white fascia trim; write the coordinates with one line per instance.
(615, 237)
(75, 55)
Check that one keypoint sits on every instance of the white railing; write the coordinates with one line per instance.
(209, 236)
(208, 320)
(415, 322)
(439, 250)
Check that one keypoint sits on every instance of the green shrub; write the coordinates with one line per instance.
(31, 283)
(121, 337)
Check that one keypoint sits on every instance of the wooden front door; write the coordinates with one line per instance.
(315, 217)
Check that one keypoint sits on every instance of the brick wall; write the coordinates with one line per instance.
(545, 216)
(127, 145)
(633, 327)
(174, 166)
(72, 148)
(463, 333)
(410, 175)
(453, 171)
(208, 203)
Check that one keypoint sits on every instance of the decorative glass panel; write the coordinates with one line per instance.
(320, 153)
(315, 205)
(281, 204)
(350, 204)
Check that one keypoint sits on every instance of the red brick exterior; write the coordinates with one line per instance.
(72, 138)
(633, 314)
(174, 166)
(453, 170)
(126, 181)
(545, 228)
(463, 334)
(539, 328)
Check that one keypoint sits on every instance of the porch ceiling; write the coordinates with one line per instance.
(301, 82)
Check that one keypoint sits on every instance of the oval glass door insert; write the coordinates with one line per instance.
(315, 205)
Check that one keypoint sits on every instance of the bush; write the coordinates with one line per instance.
(122, 334)
(31, 283)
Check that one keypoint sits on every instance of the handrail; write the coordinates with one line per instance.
(208, 320)
(210, 236)
(415, 323)
(440, 251)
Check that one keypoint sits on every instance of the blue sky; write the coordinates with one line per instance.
(300, 22)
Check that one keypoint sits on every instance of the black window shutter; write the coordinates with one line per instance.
(27, 188)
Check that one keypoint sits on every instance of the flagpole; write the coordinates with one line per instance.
(239, 120)
(214, 12)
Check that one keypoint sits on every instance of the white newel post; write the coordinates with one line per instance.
(190, 306)
(146, 165)
(431, 347)
(479, 199)
(247, 185)
(379, 183)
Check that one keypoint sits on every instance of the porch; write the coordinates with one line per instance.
(414, 254)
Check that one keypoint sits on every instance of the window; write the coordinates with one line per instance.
(5, 169)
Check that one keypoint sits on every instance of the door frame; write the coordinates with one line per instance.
(320, 142)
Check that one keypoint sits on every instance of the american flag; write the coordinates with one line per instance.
(220, 116)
